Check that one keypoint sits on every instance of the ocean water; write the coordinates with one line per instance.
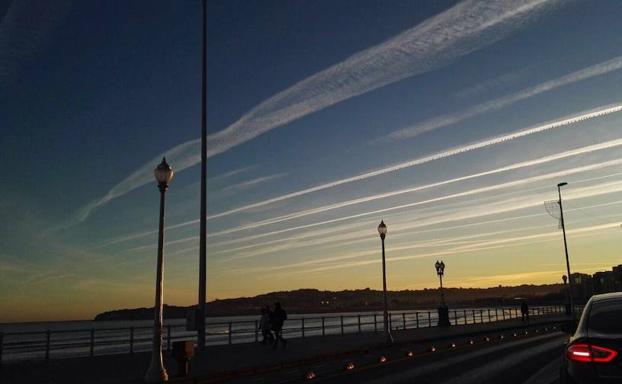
(23, 341)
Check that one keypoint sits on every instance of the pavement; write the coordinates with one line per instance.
(241, 361)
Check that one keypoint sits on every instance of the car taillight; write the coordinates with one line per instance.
(586, 353)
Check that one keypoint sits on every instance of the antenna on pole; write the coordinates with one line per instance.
(553, 209)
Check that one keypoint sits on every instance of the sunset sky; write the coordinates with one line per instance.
(452, 121)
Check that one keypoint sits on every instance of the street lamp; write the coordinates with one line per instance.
(156, 373)
(443, 311)
(382, 230)
(567, 305)
(440, 271)
(561, 212)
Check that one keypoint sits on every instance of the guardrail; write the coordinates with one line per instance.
(49, 344)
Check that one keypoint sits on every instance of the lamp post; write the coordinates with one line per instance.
(443, 311)
(561, 211)
(382, 230)
(200, 312)
(567, 305)
(156, 373)
(440, 271)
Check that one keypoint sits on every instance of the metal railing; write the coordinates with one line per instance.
(47, 344)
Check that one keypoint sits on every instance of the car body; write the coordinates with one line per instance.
(594, 352)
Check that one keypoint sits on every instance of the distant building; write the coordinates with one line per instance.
(604, 282)
(582, 287)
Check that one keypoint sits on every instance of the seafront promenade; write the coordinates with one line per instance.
(240, 361)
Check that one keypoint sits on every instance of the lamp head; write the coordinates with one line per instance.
(163, 173)
(561, 184)
(382, 229)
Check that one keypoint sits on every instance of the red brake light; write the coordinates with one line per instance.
(586, 353)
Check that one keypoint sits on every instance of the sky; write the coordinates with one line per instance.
(452, 121)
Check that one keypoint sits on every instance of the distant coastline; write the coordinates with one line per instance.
(315, 301)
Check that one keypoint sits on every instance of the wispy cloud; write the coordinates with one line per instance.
(496, 104)
(244, 185)
(438, 41)
(232, 173)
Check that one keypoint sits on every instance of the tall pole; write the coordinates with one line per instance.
(561, 210)
(440, 276)
(387, 331)
(203, 226)
(156, 373)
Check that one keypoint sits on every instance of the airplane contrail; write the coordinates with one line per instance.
(496, 104)
(418, 161)
(436, 42)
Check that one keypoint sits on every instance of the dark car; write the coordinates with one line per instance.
(594, 352)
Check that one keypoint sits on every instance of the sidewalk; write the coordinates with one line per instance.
(241, 358)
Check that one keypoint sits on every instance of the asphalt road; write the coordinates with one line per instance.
(528, 360)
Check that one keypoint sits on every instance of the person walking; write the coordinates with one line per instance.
(265, 326)
(278, 319)
(524, 310)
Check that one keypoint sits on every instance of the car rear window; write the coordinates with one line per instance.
(606, 316)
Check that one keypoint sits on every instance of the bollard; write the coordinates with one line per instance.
(131, 339)
(183, 352)
(47, 344)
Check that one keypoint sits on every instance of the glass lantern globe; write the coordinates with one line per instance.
(382, 229)
(163, 173)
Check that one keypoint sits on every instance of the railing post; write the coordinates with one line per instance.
(92, 351)
(359, 323)
(131, 339)
(168, 337)
(404, 320)
(302, 321)
(481, 315)
(256, 331)
(375, 323)
(341, 319)
(465, 317)
(473, 314)
(229, 333)
(429, 319)
(455, 317)
(488, 314)
(417, 319)
(323, 328)
(47, 344)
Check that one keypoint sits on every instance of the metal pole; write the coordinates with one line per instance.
(131, 339)
(442, 294)
(561, 211)
(203, 218)
(92, 351)
(47, 344)
(387, 332)
(156, 372)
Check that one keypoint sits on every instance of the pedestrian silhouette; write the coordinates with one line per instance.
(524, 310)
(278, 319)
(265, 326)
